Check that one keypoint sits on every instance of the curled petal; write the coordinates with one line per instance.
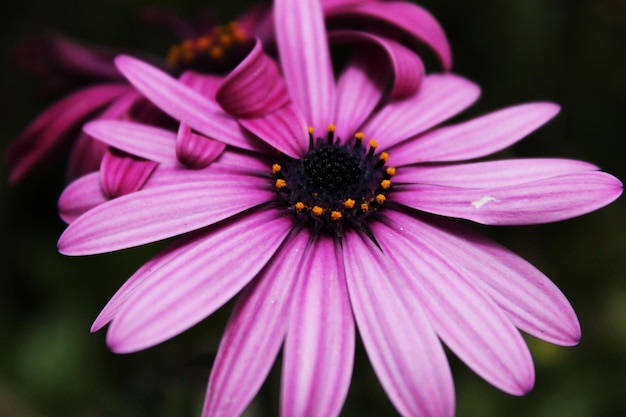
(543, 201)
(254, 88)
(122, 174)
(81, 195)
(205, 84)
(196, 151)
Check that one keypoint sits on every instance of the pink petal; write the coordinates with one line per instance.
(196, 278)
(255, 332)
(184, 103)
(79, 196)
(305, 59)
(407, 67)
(409, 17)
(145, 141)
(205, 84)
(154, 214)
(122, 174)
(285, 129)
(532, 302)
(400, 341)
(254, 88)
(196, 151)
(491, 173)
(246, 160)
(467, 321)
(51, 128)
(475, 138)
(319, 349)
(536, 202)
(440, 97)
(82, 60)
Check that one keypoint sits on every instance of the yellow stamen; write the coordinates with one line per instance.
(335, 215)
(385, 184)
(359, 135)
(391, 171)
(216, 52)
(203, 43)
(380, 198)
(276, 169)
(317, 211)
(299, 206)
(365, 207)
(173, 55)
(331, 127)
(349, 203)
(226, 39)
(280, 183)
(373, 144)
(384, 156)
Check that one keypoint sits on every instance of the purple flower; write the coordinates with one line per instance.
(322, 228)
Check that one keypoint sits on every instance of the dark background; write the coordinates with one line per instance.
(569, 51)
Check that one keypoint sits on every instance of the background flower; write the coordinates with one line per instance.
(518, 51)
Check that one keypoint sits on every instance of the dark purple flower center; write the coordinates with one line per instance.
(217, 52)
(335, 184)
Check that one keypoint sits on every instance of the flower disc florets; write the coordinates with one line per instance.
(335, 184)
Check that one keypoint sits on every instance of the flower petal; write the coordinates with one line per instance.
(254, 88)
(532, 302)
(319, 349)
(400, 341)
(196, 151)
(440, 97)
(205, 84)
(145, 141)
(467, 321)
(285, 129)
(80, 196)
(51, 128)
(122, 174)
(491, 173)
(536, 202)
(154, 214)
(195, 278)
(305, 59)
(184, 103)
(255, 332)
(477, 137)
(409, 17)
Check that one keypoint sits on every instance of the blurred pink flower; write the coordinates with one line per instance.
(320, 230)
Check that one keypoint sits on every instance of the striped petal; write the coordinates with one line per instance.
(196, 151)
(319, 349)
(536, 202)
(305, 59)
(122, 174)
(255, 332)
(196, 278)
(79, 196)
(399, 339)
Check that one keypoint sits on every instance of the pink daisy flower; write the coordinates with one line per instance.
(324, 230)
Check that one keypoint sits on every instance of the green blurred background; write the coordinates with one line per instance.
(569, 51)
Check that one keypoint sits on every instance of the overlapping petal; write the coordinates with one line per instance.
(196, 151)
(399, 339)
(122, 174)
(319, 349)
(79, 196)
(174, 295)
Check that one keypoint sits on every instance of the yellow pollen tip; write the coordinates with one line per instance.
(276, 168)
(280, 183)
(359, 135)
(216, 52)
(203, 43)
(336, 215)
(349, 203)
(391, 171)
(226, 39)
(299, 206)
(331, 127)
(380, 198)
(384, 156)
(317, 211)
(311, 130)
(173, 55)
(365, 207)
(385, 184)
(373, 144)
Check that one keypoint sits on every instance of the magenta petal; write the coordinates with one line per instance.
(532, 302)
(305, 59)
(467, 320)
(536, 202)
(491, 173)
(196, 151)
(255, 332)
(79, 196)
(183, 103)
(154, 214)
(407, 67)
(399, 339)
(194, 279)
(319, 349)
(285, 129)
(477, 137)
(122, 174)
(51, 128)
(145, 141)
(409, 17)
(255, 88)
(205, 84)
(440, 97)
